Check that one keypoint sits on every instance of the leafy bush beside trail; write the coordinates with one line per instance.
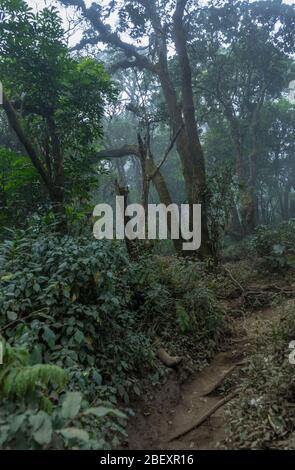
(29, 419)
(263, 415)
(276, 246)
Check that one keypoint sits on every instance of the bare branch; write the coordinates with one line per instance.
(124, 151)
(172, 143)
(124, 65)
(92, 14)
(91, 41)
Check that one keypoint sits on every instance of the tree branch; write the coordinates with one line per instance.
(92, 41)
(17, 127)
(124, 151)
(123, 65)
(92, 14)
(172, 143)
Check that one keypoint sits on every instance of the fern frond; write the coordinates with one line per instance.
(18, 380)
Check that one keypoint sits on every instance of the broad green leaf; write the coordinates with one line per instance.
(8, 277)
(4, 434)
(49, 336)
(17, 422)
(42, 427)
(79, 336)
(71, 405)
(75, 433)
(102, 411)
(12, 316)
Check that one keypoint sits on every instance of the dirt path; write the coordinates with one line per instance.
(176, 407)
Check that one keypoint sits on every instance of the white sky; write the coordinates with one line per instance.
(66, 13)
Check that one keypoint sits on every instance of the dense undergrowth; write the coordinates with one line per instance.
(263, 416)
(271, 249)
(82, 325)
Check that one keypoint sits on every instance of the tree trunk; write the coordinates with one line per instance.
(150, 172)
(194, 162)
(246, 172)
(164, 194)
(53, 183)
(57, 190)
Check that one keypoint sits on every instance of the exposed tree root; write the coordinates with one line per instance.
(167, 360)
(217, 384)
(204, 417)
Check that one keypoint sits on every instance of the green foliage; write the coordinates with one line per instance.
(21, 381)
(82, 427)
(205, 314)
(49, 84)
(82, 306)
(19, 187)
(59, 101)
(236, 251)
(178, 308)
(73, 280)
(276, 246)
(30, 418)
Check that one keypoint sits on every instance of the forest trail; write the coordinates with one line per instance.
(163, 423)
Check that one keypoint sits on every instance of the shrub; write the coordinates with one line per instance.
(34, 416)
(263, 415)
(178, 308)
(72, 424)
(71, 303)
(276, 246)
(240, 250)
(66, 302)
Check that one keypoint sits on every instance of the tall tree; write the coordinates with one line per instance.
(163, 25)
(241, 53)
(53, 103)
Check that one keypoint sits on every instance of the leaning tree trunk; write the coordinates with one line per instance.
(155, 175)
(53, 183)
